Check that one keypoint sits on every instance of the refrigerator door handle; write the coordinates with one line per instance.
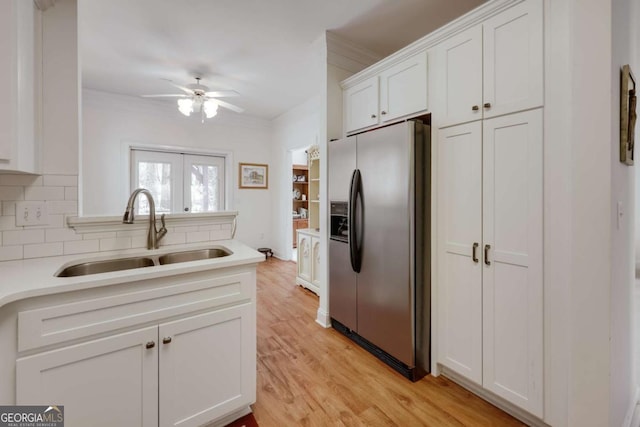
(353, 239)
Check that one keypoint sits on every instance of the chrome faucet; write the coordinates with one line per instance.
(154, 236)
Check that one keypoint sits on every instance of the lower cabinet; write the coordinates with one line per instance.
(189, 370)
(309, 260)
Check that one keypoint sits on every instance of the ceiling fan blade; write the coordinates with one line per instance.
(176, 95)
(229, 106)
(184, 88)
(222, 93)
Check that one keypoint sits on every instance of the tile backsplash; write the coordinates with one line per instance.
(60, 195)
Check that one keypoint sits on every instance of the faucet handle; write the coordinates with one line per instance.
(162, 222)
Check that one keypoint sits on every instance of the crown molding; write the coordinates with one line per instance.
(44, 4)
(468, 20)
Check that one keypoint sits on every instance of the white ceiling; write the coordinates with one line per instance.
(260, 48)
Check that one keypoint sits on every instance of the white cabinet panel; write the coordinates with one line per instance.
(512, 282)
(103, 383)
(315, 261)
(304, 257)
(403, 88)
(513, 59)
(207, 366)
(460, 73)
(361, 105)
(460, 227)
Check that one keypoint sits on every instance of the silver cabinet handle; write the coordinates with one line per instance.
(166, 340)
(474, 254)
(150, 344)
(486, 254)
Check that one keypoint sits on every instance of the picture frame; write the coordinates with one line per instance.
(627, 115)
(253, 175)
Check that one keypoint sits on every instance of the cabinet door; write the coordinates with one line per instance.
(513, 59)
(512, 212)
(315, 261)
(459, 229)
(460, 71)
(403, 88)
(119, 370)
(361, 105)
(304, 257)
(207, 366)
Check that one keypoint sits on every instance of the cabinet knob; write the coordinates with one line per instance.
(186, 209)
(486, 254)
(166, 340)
(150, 344)
(487, 105)
(475, 108)
(373, 116)
(383, 112)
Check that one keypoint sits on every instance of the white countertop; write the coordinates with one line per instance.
(309, 231)
(35, 277)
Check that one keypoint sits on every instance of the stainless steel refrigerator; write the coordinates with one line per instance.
(379, 246)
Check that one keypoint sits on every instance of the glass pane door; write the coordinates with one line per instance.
(204, 183)
(161, 174)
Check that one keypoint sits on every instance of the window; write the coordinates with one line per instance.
(179, 182)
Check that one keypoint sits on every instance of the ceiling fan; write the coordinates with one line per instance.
(198, 98)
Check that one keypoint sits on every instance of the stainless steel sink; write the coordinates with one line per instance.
(195, 255)
(94, 267)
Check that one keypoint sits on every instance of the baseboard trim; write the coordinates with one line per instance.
(230, 418)
(322, 319)
(632, 419)
(497, 401)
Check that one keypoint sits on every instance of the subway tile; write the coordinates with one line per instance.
(185, 229)
(21, 180)
(219, 234)
(61, 235)
(101, 235)
(8, 208)
(81, 247)
(62, 207)
(61, 180)
(8, 223)
(197, 236)
(71, 193)
(43, 250)
(8, 253)
(56, 221)
(44, 193)
(139, 242)
(131, 233)
(11, 193)
(174, 239)
(115, 243)
(226, 226)
(22, 237)
(209, 227)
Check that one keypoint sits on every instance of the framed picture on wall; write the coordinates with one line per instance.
(627, 115)
(253, 175)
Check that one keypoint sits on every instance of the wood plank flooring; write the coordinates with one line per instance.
(311, 376)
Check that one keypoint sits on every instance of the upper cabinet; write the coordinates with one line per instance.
(397, 91)
(494, 68)
(19, 50)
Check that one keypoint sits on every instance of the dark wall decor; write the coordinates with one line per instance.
(627, 115)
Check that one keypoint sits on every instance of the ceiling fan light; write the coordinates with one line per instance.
(210, 108)
(185, 106)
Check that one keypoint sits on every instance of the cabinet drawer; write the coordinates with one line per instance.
(56, 324)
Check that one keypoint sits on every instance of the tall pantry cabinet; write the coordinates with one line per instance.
(490, 206)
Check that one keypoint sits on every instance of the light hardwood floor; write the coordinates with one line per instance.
(308, 375)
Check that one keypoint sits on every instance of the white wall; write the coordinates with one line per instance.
(299, 156)
(111, 121)
(297, 128)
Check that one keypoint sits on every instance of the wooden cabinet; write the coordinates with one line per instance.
(298, 224)
(192, 362)
(494, 68)
(403, 88)
(117, 375)
(309, 260)
(19, 49)
(398, 91)
(490, 255)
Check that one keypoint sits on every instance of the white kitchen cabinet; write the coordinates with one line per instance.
(309, 262)
(494, 68)
(19, 47)
(204, 361)
(403, 88)
(490, 255)
(361, 105)
(103, 383)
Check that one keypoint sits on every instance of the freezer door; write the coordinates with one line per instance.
(342, 162)
(342, 285)
(385, 283)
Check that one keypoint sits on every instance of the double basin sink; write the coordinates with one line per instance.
(118, 264)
